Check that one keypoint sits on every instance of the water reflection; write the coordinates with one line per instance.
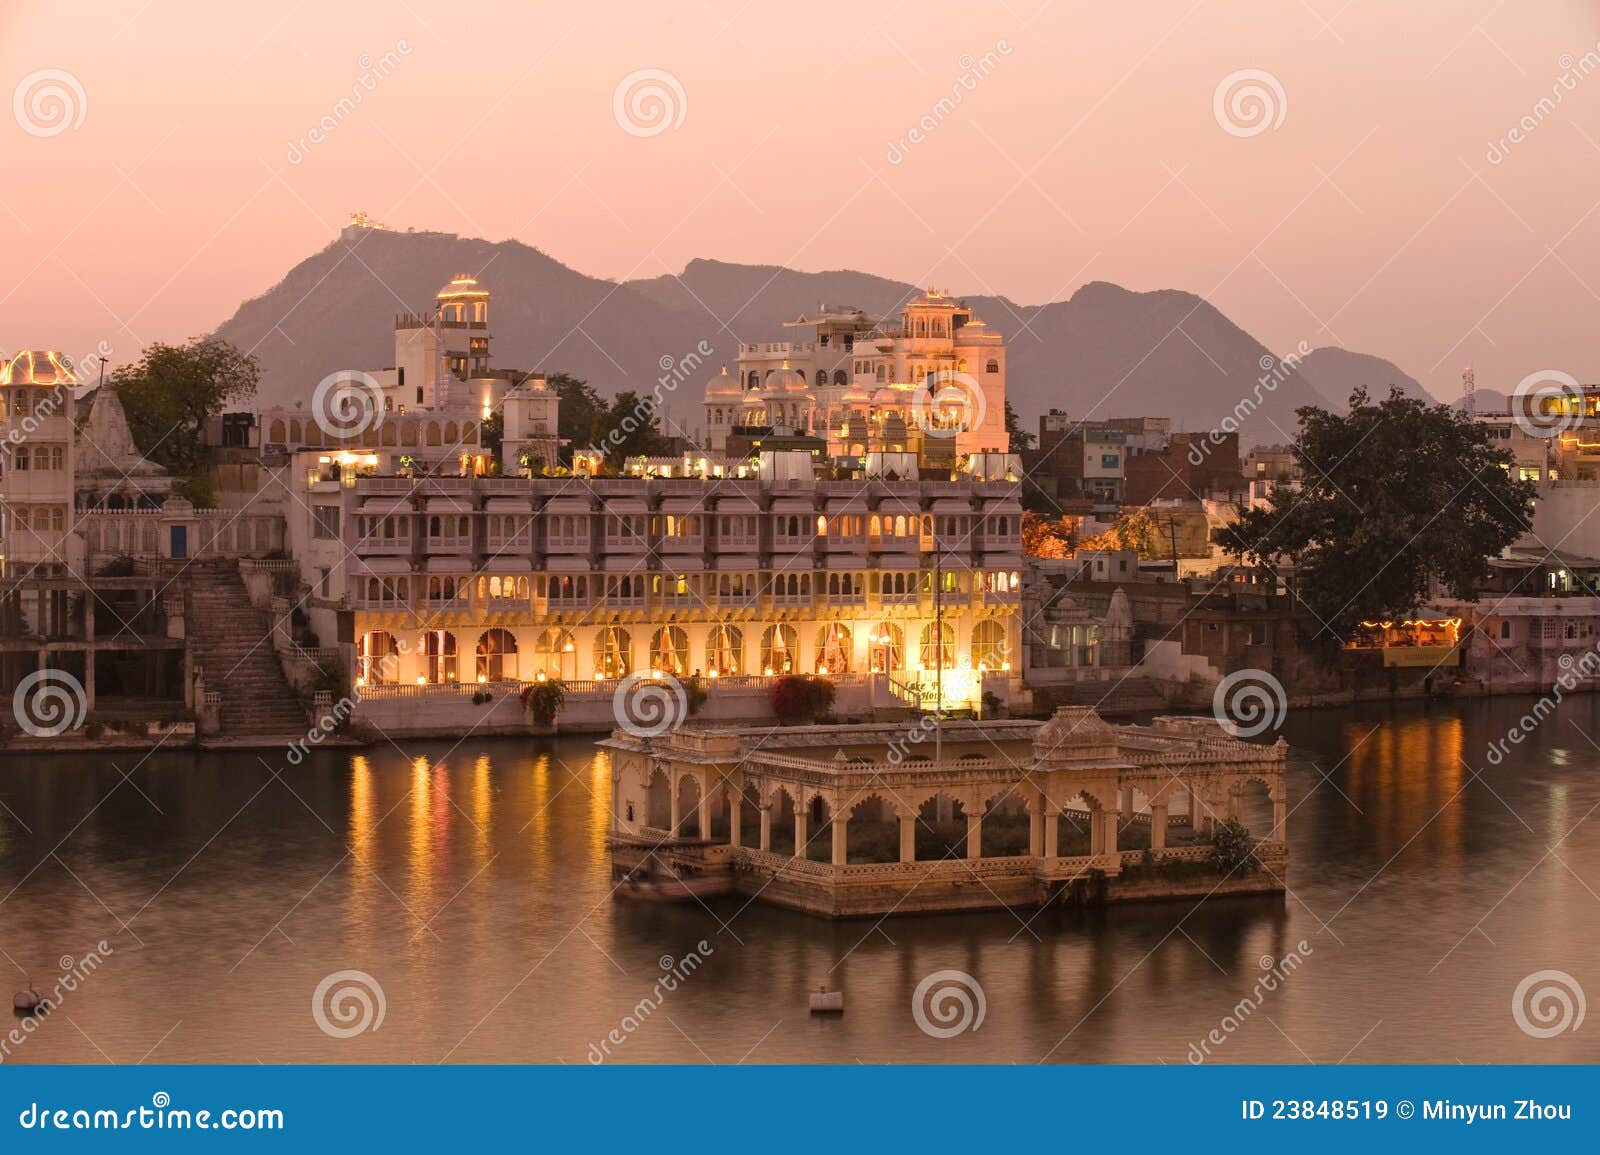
(473, 882)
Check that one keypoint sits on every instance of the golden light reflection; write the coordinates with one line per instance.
(482, 810)
(420, 830)
(599, 808)
(1406, 776)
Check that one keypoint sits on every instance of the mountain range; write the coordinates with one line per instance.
(1106, 351)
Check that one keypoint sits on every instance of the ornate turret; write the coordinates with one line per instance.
(1074, 735)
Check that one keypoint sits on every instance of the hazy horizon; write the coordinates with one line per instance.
(1382, 206)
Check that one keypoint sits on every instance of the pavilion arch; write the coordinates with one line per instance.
(872, 833)
(555, 654)
(1007, 824)
(377, 658)
(276, 434)
(1251, 804)
(887, 648)
(388, 434)
(314, 435)
(725, 651)
(658, 800)
(497, 656)
(783, 810)
(688, 808)
(431, 433)
(989, 649)
(296, 436)
(452, 434)
(408, 433)
(669, 651)
(941, 827)
(833, 649)
(780, 649)
(613, 652)
(817, 810)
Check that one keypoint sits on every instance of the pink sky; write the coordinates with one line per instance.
(1370, 217)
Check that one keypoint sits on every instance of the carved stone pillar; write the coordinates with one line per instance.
(974, 834)
(908, 838)
(1158, 826)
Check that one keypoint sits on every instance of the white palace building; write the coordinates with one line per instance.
(444, 576)
(870, 386)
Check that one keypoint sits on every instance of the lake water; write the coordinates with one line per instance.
(471, 882)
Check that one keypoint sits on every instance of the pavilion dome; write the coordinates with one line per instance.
(37, 367)
(722, 383)
(785, 380)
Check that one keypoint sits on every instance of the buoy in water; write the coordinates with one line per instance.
(824, 1001)
(27, 999)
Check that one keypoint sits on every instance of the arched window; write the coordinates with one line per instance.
(991, 366)
(833, 649)
(555, 654)
(377, 659)
(882, 372)
(439, 646)
(938, 647)
(613, 653)
(669, 651)
(753, 381)
(725, 651)
(839, 377)
(989, 650)
(497, 656)
(780, 645)
(888, 648)
(822, 378)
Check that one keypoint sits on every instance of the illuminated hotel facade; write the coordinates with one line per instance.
(902, 588)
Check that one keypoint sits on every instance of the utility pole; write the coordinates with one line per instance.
(938, 651)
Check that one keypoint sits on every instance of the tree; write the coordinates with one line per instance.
(1396, 496)
(492, 432)
(1020, 438)
(629, 429)
(171, 393)
(1138, 531)
(581, 406)
(1048, 536)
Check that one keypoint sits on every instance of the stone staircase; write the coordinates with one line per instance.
(230, 643)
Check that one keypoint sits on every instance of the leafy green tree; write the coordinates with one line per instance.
(581, 408)
(170, 394)
(1020, 438)
(629, 428)
(1397, 495)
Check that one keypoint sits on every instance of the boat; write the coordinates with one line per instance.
(669, 888)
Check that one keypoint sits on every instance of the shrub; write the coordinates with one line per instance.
(543, 700)
(1232, 847)
(801, 697)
